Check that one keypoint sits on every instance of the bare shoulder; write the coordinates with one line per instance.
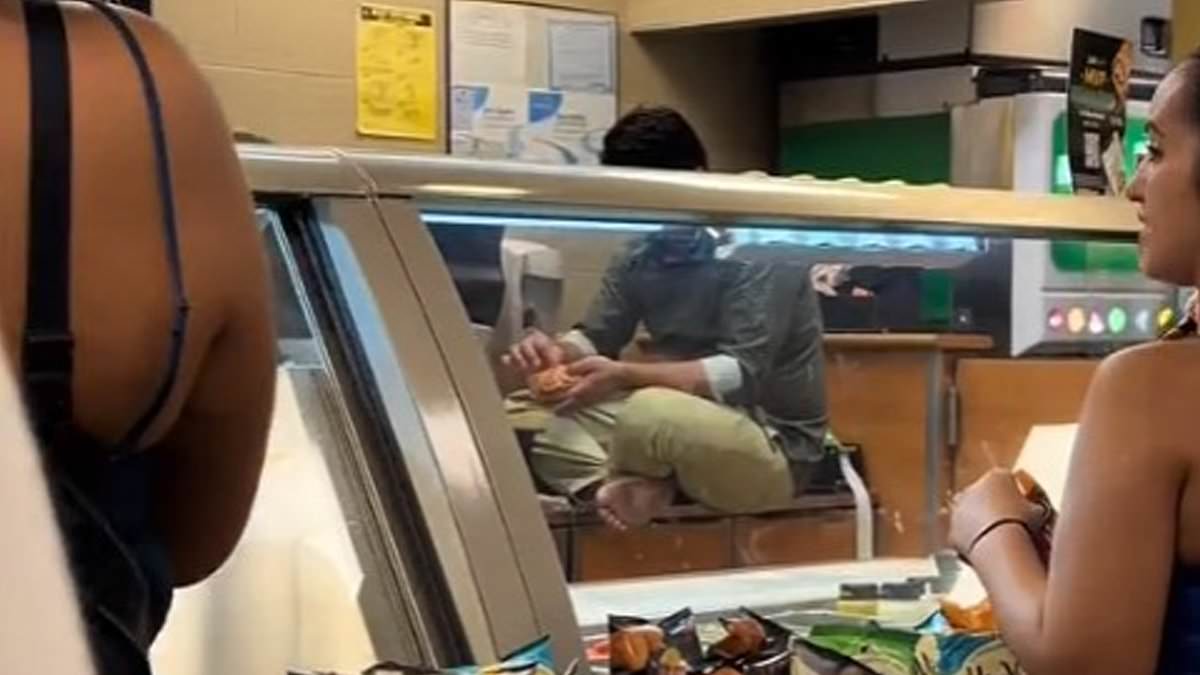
(214, 206)
(1150, 390)
(1155, 363)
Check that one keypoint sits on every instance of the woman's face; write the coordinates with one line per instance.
(1166, 187)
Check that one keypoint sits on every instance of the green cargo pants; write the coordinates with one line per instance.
(718, 456)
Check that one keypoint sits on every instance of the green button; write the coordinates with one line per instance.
(1118, 320)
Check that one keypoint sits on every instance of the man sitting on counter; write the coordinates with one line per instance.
(726, 405)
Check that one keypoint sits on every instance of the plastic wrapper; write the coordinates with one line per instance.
(752, 645)
(877, 650)
(1043, 535)
(638, 646)
(932, 649)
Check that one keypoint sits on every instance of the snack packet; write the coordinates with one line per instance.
(749, 636)
(878, 650)
(753, 645)
(1043, 535)
(640, 647)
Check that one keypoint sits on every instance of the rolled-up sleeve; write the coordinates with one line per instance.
(724, 376)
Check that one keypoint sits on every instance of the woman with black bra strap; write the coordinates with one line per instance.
(1121, 593)
(135, 302)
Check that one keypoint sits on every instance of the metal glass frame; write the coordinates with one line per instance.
(434, 394)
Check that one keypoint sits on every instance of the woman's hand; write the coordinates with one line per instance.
(993, 497)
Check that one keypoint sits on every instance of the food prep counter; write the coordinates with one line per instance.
(398, 519)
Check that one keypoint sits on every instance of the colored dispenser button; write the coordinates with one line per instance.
(1056, 320)
(1096, 324)
(1143, 321)
(1118, 320)
(1166, 318)
(1076, 320)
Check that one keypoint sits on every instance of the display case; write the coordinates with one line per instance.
(398, 517)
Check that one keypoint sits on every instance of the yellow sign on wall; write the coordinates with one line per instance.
(397, 85)
(1185, 28)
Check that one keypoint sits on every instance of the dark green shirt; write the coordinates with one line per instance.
(761, 319)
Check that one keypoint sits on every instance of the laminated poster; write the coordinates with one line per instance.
(396, 73)
(567, 127)
(487, 121)
(1101, 67)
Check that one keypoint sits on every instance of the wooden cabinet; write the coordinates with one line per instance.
(823, 536)
(1001, 399)
(891, 395)
(817, 528)
(648, 16)
(601, 553)
(928, 418)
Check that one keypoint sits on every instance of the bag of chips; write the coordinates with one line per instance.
(884, 651)
(638, 646)
(753, 645)
(933, 649)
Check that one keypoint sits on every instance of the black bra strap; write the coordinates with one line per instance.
(48, 350)
(166, 196)
(48, 360)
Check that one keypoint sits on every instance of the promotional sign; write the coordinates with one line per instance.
(1101, 67)
(487, 121)
(566, 128)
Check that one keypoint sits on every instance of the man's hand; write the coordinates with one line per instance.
(599, 378)
(534, 353)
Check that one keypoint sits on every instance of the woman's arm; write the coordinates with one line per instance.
(1099, 608)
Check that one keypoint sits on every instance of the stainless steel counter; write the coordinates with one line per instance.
(764, 590)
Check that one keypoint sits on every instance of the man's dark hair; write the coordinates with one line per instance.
(654, 138)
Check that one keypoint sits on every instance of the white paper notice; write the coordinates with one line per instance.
(487, 121)
(488, 42)
(567, 128)
(1046, 456)
(582, 55)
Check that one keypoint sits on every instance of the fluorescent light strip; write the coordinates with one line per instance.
(445, 218)
(877, 241)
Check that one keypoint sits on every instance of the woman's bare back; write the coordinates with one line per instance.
(211, 434)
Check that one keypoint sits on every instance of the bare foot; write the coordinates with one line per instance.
(633, 502)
